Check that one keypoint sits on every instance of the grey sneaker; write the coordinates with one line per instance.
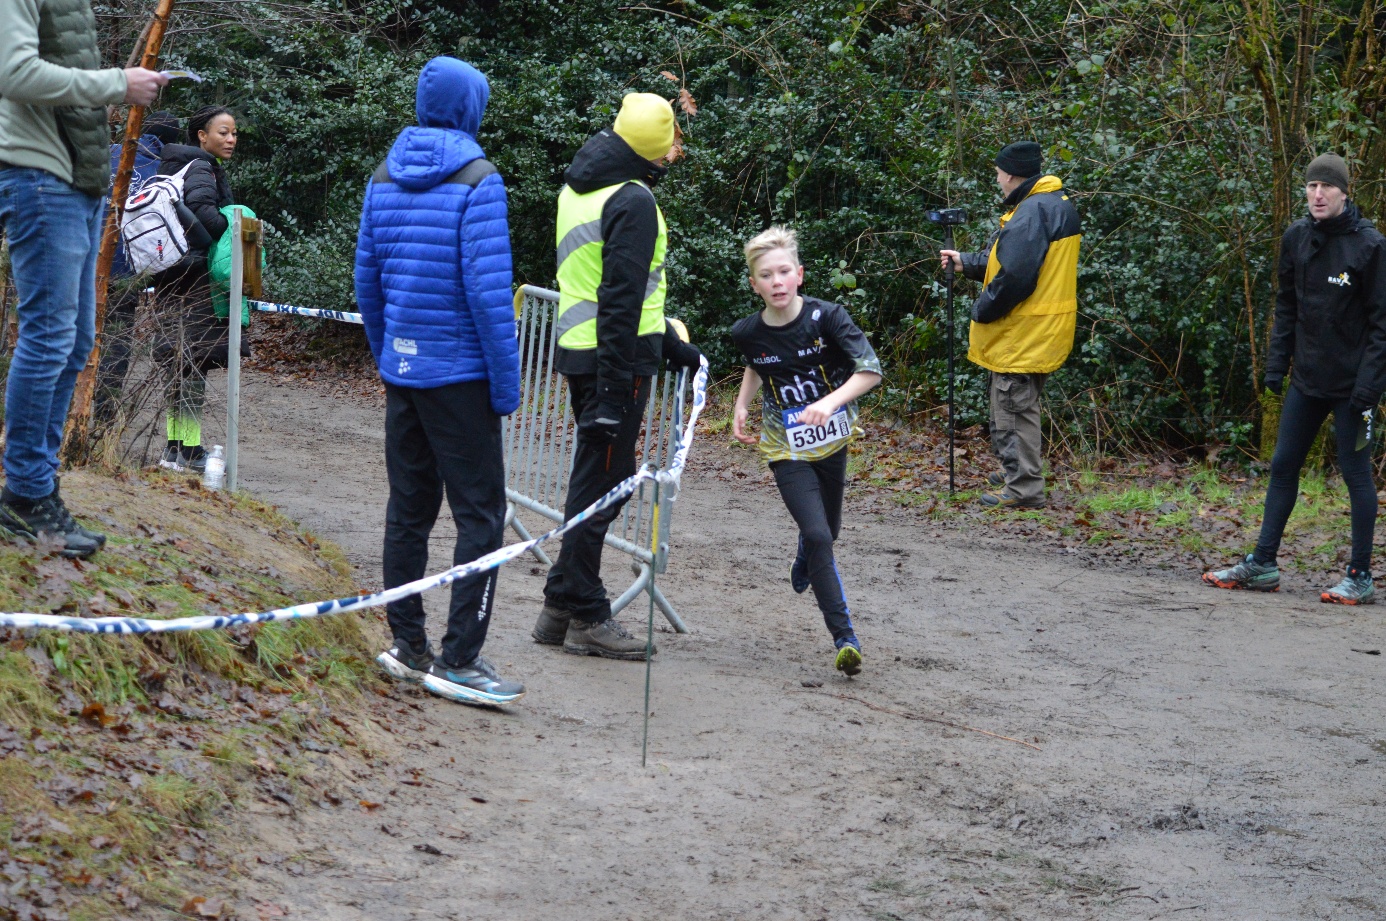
(552, 626)
(405, 662)
(473, 683)
(605, 638)
(996, 478)
(1356, 588)
(1248, 574)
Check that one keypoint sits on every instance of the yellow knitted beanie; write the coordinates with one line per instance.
(646, 123)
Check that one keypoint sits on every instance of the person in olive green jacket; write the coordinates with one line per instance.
(54, 173)
(1023, 322)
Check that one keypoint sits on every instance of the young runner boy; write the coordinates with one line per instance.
(814, 362)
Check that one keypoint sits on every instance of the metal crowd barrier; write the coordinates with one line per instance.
(541, 435)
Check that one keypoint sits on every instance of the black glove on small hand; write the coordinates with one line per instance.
(682, 354)
(1275, 385)
(601, 419)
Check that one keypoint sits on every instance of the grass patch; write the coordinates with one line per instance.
(133, 747)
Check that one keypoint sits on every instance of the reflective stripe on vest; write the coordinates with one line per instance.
(580, 268)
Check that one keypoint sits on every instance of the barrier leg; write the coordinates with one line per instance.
(636, 587)
(519, 529)
(669, 613)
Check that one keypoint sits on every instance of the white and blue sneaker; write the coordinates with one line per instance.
(402, 661)
(473, 683)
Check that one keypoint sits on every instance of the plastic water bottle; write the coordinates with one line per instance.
(214, 477)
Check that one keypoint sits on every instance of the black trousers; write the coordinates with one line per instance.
(443, 438)
(575, 581)
(116, 346)
(1300, 419)
(812, 491)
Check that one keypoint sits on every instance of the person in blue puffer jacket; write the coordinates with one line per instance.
(433, 280)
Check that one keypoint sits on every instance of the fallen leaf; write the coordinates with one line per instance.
(368, 805)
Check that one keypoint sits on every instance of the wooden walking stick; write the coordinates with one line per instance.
(77, 443)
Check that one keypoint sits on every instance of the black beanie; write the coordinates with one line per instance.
(1023, 159)
(163, 125)
(1328, 168)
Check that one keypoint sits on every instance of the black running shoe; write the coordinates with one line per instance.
(402, 661)
(44, 520)
(473, 683)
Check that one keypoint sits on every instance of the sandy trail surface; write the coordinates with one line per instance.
(1198, 753)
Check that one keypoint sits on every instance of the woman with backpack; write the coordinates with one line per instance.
(194, 338)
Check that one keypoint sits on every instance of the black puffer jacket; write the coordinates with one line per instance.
(190, 326)
(1330, 313)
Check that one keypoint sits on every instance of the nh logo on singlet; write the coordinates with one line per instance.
(801, 391)
(1341, 280)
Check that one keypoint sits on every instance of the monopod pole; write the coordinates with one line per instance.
(948, 277)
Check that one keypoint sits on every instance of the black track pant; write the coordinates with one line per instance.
(1300, 419)
(812, 491)
(437, 438)
(575, 581)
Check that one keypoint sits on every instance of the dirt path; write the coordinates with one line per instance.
(1201, 753)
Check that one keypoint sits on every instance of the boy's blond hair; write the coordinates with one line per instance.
(773, 237)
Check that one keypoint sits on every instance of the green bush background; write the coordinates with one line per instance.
(847, 120)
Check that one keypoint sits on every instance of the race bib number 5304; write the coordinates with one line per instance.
(802, 436)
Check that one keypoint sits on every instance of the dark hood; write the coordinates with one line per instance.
(607, 159)
(181, 155)
(1350, 221)
(450, 102)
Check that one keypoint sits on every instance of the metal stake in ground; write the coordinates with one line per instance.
(649, 624)
(948, 217)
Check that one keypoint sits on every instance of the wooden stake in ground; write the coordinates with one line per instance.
(77, 443)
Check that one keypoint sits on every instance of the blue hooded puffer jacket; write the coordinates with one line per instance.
(433, 256)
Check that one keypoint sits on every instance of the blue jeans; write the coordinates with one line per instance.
(54, 233)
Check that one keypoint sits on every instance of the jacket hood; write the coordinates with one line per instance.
(607, 159)
(183, 154)
(452, 94)
(450, 102)
(1349, 221)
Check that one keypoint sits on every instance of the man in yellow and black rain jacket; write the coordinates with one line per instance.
(1023, 322)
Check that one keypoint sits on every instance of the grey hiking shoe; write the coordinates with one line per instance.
(1248, 574)
(552, 626)
(996, 478)
(1356, 588)
(605, 638)
(474, 683)
(405, 662)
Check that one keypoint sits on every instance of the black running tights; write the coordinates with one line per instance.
(1300, 419)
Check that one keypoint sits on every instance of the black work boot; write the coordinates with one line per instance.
(85, 532)
(44, 520)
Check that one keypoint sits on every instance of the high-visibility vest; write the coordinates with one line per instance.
(580, 268)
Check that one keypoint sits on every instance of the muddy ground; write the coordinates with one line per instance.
(1198, 754)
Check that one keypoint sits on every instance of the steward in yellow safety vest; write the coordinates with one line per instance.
(1023, 322)
(612, 244)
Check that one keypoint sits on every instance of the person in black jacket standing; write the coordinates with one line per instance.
(612, 244)
(1330, 337)
(195, 340)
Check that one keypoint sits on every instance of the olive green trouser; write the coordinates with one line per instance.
(1015, 432)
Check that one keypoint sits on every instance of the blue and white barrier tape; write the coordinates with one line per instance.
(490, 561)
(345, 317)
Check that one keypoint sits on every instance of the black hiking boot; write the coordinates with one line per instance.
(85, 532)
(46, 522)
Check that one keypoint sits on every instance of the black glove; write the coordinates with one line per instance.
(600, 422)
(1275, 383)
(682, 354)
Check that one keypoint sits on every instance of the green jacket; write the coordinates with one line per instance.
(52, 94)
(219, 267)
